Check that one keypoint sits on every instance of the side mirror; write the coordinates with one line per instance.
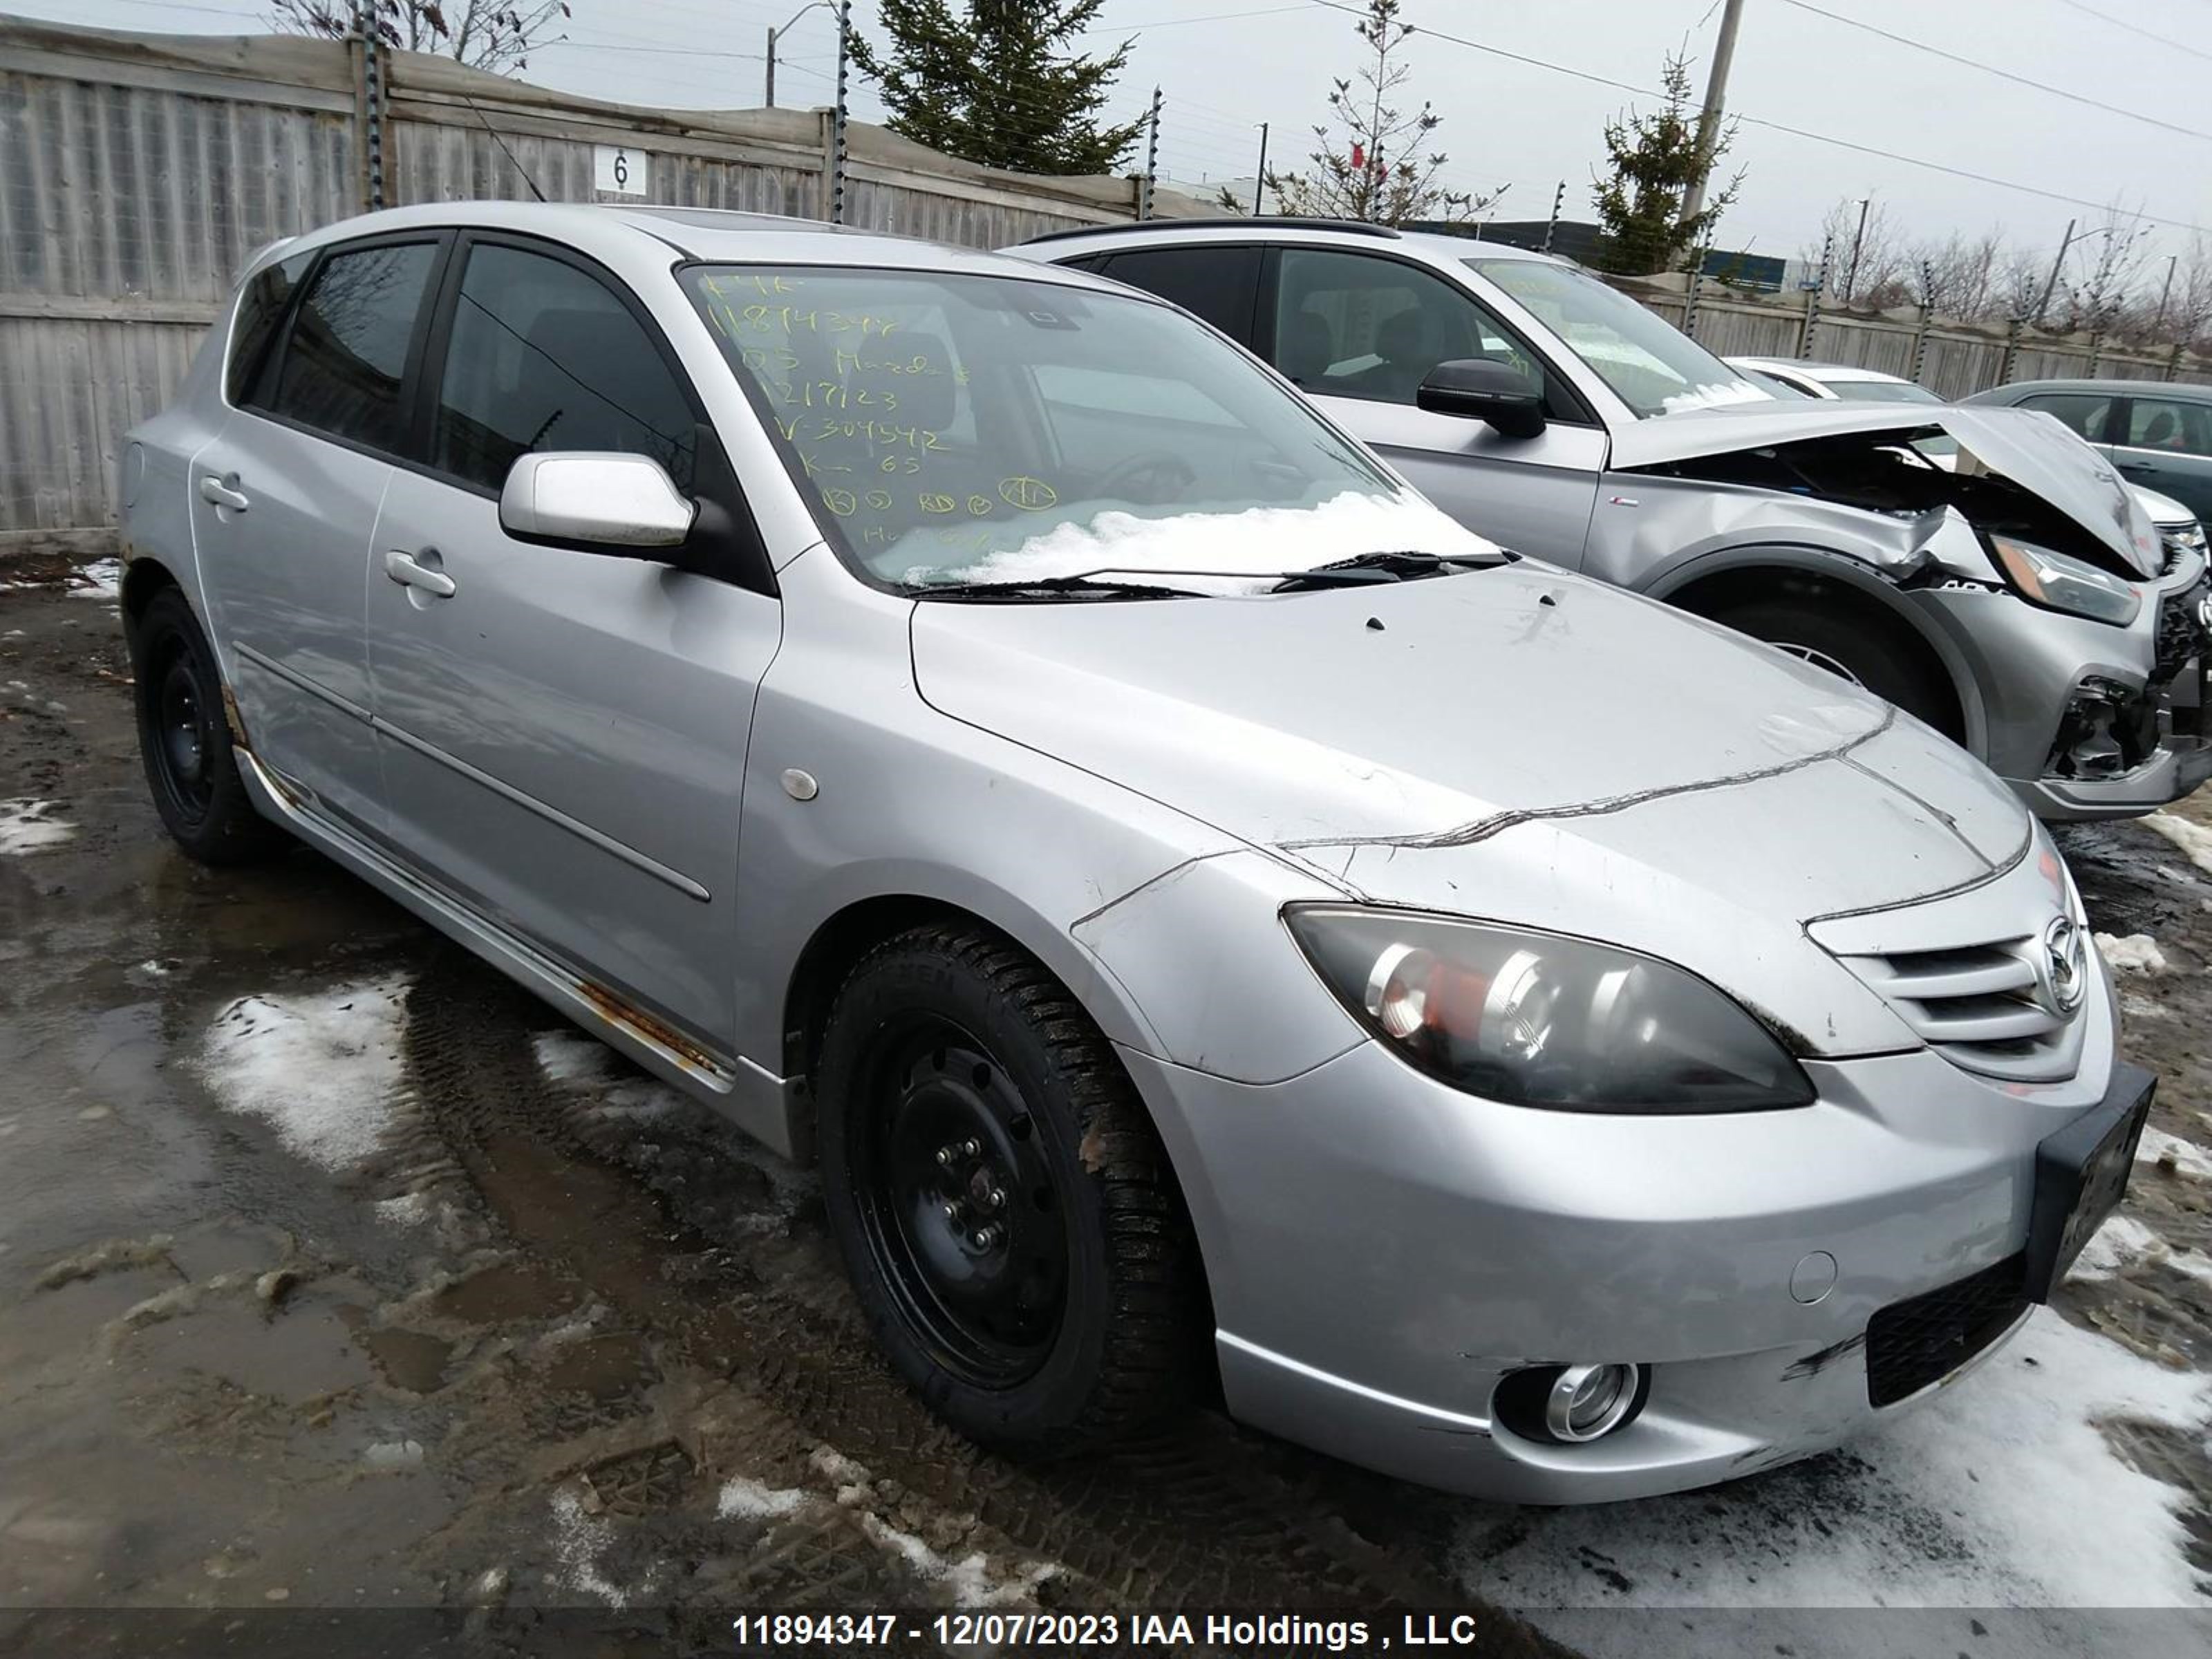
(599, 500)
(1481, 390)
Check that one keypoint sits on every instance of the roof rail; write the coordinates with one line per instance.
(1243, 221)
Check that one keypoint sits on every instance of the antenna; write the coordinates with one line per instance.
(503, 149)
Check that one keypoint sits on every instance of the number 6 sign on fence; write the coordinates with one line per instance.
(617, 170)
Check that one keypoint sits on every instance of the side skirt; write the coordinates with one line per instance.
(755, 1099)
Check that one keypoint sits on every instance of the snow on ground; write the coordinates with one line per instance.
(748, 1499)
(1999, 1491)
(320, 1066)
(101, 580)
(2123, 1241)
(2192, 837)
(588, 1066)
(2185, 1156)
(31, 826)
(2137, 953)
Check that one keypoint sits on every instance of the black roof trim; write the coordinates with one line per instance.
(1355, 227)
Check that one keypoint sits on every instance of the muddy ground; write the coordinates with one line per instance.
(336, 1274)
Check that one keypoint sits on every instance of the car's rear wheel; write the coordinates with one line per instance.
(1843, 640)
(184, 740)
(1001, 1202)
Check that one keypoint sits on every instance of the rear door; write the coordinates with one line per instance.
(1358, 332)
(1219, 282)
(563, 733)
(2165, 444)
(284, 498)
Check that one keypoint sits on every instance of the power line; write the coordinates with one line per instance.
(1779, 126)
(2121, 23)
(2002, 75)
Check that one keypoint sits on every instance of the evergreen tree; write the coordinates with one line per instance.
(997, 81)
(1375, 174)
(1655, 159)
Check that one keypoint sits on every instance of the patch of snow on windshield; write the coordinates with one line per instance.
(1264, 541)
(1716, 396)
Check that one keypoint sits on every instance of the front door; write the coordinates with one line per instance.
(1358, 332)
(283, 500)
(563, 733)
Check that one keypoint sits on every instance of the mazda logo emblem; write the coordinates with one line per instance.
(2061, 967)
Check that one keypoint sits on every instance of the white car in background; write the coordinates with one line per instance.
(2177, 525)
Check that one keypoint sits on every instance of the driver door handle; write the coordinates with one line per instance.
(403, 569)
(218, 492)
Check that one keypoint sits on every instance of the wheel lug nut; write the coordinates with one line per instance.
(984, 1238)
(952, 1213)
(995, 1199)
(945, 1156)
(969, 1148)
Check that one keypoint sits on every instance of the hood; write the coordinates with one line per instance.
(2026, 448)
(1429, 731)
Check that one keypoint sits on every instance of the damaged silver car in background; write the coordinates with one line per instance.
(2023, 604)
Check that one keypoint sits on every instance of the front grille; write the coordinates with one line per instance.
(1925, 1338)
(2180, 633)
(1975, 1006)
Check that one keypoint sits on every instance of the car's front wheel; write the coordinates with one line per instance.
(1002, 1204)
(184, 740)
(1840, 638)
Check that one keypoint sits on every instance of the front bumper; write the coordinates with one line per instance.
(2082, 720)
(1383, 1250)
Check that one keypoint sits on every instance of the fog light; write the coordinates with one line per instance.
(1586, 1402)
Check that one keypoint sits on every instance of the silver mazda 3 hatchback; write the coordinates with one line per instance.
(1210, 915)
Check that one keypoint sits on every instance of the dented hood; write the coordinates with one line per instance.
(2024, 446)
(1377, 723)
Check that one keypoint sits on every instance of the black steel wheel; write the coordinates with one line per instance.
(1005, 1210)
(183, 739)
(963, 1219)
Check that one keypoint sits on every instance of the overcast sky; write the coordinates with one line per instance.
(1225, 65)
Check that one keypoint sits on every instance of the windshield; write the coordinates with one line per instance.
(1882, 391)
(959, 429)
(1651, 366)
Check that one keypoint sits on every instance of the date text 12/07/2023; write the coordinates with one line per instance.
(1021, 1631)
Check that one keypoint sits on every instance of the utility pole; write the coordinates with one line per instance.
(1151, 159)
(839, 118)
(1709, 120)
(774, 35)
(1858, 240)
(1260, 183)
(2049, 288)
(1551, 225)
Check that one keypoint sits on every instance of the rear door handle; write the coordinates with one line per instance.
(222, 492)
(403, 569)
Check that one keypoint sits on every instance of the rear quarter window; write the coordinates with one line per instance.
(260, 313)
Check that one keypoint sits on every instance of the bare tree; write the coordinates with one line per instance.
(488, 34)
(1957, 276)
(1376, 172)
(1869, 266)
(2104, 267)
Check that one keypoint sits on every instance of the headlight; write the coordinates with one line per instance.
(2187, 538)
(2063, 584)
(1538, 1019)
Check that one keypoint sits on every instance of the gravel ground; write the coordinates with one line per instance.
(336, 1273)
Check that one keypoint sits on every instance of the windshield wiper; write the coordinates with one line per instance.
(1085, 586)
(1366, 568)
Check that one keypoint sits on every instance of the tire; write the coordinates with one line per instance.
(954, 1068)
(183, 739)
(1848, 642)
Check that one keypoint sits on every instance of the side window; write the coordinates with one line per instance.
(260, 309)
(2168, 424)
(2084, 412)
(1350, 326)
(543, 356)
(1218, 283)
(344, 358)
